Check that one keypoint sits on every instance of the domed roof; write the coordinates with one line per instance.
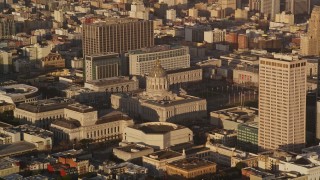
(158, 70)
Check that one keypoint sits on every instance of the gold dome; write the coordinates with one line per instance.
(158, 70)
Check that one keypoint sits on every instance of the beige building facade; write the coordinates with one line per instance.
(141, 62)
(115, 84)
(282, 102)
(160, 135)
(158, 103)
(82, 122)
(116, 35)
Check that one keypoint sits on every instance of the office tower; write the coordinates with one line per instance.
(282, 103)
(254, 5)
(310, 43)
(298, 6)
(270, 8)
(99, 66)
(7, 27)
(116, 35)
(5, 62)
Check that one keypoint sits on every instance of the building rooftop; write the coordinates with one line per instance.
(134, 148)
(113, 116)
(164, 154)
(237, 114)
(191, 163)
(29, 129)
(80, 108)
(258, 173)
(7, 162)
(18, 90)
(183, 70)
(67, 123)
(157, 127)
(109, 81)
(157, 48)
(46, 105)
(16, 148)
(111, 21)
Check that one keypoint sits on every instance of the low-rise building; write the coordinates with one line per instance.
(8, 166)
(43, 112)
(185, 75)
(132, 151)
(160, 135)
(226, 137)
(19, 93)
(223, 155)
(247, 137)
(52, 61)
(124, 170)
(43, 139)
(114, 84)
(4, 106)
(78, 159)
(142, 61)
(156, 162)
(247, 75)
(190, 168)
(230, 118)
(82, 122)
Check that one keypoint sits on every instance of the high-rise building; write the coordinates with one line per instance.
(100, 66)
(282, 103)
(5, 62)
(298, 6)
(254, 5)
(7, 27)
(310, 43)
(116, 35)
(270, 8)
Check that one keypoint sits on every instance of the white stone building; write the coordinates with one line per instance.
(82, 122)
(160, 135)
(157, 103)
(19, 93)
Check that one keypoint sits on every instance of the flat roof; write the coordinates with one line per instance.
(46, 105)
(16, 148)
(70, 123)
(113, 116)
(164, 154)
(134, 148)
(191, 163)
(80, 108)
(109, 81)
(183, 70)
